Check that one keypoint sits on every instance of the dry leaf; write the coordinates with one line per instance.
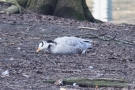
(58, 82)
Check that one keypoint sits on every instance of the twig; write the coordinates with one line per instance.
(49, 59)
(122, 41)
(66, 71)
(80, 27)
(95, 35)
(107, 38)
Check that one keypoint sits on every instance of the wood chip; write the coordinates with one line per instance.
(80, 27)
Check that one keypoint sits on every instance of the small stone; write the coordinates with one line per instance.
(25, 75)
(5, 73)
(74, 84)
(18, 48)
(11, 59)
(91, 67)
(100, 74)
(128, 60)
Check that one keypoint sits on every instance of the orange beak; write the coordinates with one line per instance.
(38, 50)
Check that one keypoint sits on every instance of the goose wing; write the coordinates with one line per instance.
(72, 42)
(66, 49)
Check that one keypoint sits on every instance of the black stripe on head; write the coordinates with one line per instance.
(42, 43)
(86, 41)
(50, 41)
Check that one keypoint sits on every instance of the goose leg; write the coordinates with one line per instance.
(83, 51)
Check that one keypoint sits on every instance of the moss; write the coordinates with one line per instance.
(77, 14)
(32, 5)
(101, 84)
(79, 7)
(84, 82)
(96, 82)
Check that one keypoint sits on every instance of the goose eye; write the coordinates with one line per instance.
(41, 44)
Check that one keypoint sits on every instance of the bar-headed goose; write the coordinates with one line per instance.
(65, 45)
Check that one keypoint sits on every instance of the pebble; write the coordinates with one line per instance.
(5, 73)
(11, 59)
(18, 48)
(74, 84)
(91, 67)
(100, 74)
(27, 76)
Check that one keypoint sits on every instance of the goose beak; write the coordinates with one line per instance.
(38, 50)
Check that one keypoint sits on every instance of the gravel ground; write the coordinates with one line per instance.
(21, 68)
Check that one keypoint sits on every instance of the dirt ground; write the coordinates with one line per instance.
(112, 55)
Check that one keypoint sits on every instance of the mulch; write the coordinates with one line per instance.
(112, 55)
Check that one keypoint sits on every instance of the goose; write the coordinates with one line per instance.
(65, 45)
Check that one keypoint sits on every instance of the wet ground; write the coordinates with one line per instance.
(21, 68)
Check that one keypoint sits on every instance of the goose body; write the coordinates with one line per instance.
(66, 45)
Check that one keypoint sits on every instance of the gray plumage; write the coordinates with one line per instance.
(66, 45)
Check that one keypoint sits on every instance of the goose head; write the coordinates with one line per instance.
(45, 45)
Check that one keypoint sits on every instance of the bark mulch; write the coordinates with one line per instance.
(21, 68)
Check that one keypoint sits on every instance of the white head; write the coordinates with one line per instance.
(44, 45)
